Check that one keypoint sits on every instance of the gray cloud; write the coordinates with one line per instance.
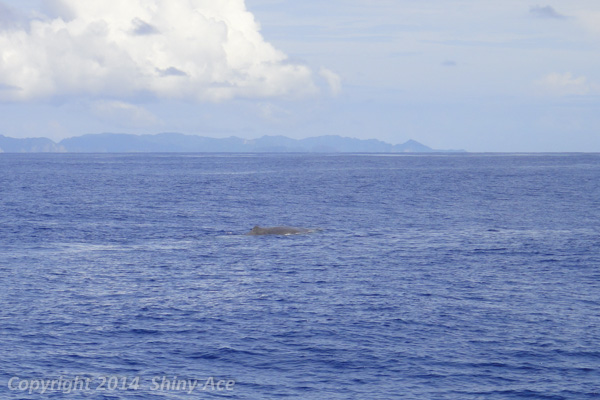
(546, 12)
(9, 18)
(9, 87)
(449, 63)
(142, 28)
(171, 71)
(6, 14)
(58, 9)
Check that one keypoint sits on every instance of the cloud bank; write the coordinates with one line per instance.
(202, 50)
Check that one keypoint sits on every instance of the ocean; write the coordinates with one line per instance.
(459, 276)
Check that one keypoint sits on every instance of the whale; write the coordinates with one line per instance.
(277, 230)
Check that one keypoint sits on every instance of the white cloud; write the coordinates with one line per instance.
(189, 49)
(333, 80)
(124, 114)
(272, 112)
(564, 84)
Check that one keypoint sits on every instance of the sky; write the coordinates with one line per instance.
(483, 76)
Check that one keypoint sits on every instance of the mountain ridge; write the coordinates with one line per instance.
(171, 142)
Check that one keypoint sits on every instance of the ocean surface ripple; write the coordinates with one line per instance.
(431, 277)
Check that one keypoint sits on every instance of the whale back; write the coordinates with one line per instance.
(257, 230)
(276, 230)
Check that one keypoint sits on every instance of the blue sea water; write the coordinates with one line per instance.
(431, 277)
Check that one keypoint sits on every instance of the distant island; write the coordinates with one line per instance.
(180, 143)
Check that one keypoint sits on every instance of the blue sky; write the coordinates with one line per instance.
(507, 75)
